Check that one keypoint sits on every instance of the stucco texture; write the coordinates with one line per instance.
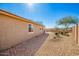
(14, 31)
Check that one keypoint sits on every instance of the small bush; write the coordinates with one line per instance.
(56, 33)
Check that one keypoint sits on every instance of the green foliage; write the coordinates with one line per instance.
(67, 21)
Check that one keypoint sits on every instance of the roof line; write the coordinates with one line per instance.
(18, 17)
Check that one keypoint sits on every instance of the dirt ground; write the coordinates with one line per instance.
(64, 46)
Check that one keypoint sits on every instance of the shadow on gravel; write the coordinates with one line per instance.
(26, 48)
(56, 39)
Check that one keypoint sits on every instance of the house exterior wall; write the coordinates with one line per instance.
(14, 31)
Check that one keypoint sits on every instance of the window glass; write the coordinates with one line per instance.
(30, 28)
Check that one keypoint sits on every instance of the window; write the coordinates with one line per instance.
(41, 28)
(30, 27)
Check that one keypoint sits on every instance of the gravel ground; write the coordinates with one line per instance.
(63, 46)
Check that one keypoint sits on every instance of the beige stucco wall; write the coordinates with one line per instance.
(76, 34)
(14, 31)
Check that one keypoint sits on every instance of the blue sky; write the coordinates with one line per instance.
(47, 13)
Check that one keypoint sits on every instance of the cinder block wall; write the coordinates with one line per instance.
(14, 31)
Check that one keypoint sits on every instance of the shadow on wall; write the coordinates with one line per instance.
(27, 48)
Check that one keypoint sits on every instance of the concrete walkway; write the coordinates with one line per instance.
(26, 48)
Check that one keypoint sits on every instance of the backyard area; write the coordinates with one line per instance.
(35, 29)
(63, 46)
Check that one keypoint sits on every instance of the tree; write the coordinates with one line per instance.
(67, 21)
